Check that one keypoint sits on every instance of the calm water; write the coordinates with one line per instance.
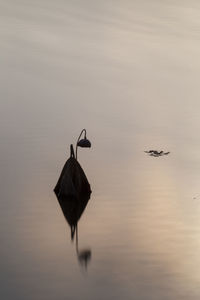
(128, 71)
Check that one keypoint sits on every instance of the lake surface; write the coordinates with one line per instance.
(128, 71)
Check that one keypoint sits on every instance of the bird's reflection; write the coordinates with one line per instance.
(73, 193)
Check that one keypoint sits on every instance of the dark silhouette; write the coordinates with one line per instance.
(73, 193)
(83, 143)
(156, 153)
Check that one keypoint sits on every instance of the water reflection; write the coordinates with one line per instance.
(83, 255)
(73, 193)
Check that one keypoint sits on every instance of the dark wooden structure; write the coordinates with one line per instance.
(72, 191)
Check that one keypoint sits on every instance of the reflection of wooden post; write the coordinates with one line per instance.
(76, 229)
(83, 256)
